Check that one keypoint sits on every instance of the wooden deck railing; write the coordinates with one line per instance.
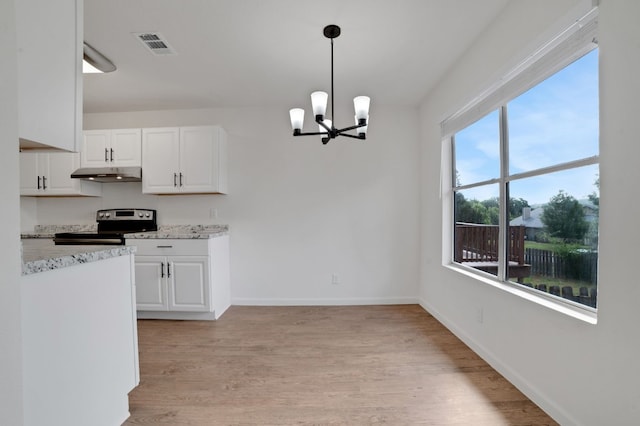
(479, 243)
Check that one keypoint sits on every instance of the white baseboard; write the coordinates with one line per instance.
(533, 393)
(325, 302)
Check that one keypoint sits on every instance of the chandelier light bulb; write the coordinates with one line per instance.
(297, 118)
(319, 103)
(361, 105)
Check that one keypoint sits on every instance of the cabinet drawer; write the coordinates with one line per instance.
(170, 247)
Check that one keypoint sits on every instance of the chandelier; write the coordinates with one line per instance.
(319, 106)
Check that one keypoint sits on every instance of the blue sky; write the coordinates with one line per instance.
(552, 123)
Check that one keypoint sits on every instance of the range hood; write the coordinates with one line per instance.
(109, 174)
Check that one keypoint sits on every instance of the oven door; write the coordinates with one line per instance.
(88, 238)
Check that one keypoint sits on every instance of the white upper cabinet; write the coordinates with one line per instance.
(47, 174)
(50, 50)
(184, 160)
(111, 148)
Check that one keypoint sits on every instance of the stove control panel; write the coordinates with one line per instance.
(126, 214)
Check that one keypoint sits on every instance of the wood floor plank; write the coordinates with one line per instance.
(337, 365)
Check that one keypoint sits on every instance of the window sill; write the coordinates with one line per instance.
(581, 314)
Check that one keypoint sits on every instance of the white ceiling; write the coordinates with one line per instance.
(237, 53)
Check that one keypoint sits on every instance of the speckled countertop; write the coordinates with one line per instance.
(47, 231)
(41, 254)
(183, 232)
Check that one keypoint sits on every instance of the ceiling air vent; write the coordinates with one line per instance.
(156, 43)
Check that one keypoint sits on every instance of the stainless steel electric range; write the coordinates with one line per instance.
(113, 224)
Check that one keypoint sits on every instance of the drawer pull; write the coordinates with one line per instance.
(164, 246)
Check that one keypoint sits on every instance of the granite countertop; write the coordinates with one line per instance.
(183, 232)
(41, 254)
(47, 231)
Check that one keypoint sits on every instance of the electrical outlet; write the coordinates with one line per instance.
(334, 279)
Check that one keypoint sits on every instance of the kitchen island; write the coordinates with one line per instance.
(80, 349)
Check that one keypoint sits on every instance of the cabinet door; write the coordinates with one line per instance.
(95, 148)
(49, 38)
(30, 178)
(199, 159)
(189, 284)
(126, 148)
(58, 178)
(160, 151)
(151, 283)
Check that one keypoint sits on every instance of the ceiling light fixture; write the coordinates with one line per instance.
(95, 62)
(319, 105)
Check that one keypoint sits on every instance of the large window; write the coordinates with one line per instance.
(525, 179)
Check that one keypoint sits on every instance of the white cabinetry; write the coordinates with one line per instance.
(48, 174)
(182, 278)
(184, 160)
(112, 148)
(50, 50)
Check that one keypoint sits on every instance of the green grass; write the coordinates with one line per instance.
(550, 246)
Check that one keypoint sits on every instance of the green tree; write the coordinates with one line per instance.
(515, 207)
(594, 197)
(470, 211)
(485, 211)
(564, 218)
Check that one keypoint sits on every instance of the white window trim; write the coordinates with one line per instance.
(573, 43)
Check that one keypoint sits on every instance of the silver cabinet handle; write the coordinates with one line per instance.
(106, 155)
(111, 154)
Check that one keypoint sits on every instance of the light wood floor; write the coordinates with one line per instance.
(342, 365)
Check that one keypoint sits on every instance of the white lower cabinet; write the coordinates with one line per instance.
(175, 283)
(181, 279)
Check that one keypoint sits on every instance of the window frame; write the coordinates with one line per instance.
(574, 43)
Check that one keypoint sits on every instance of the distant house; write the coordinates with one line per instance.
(530, 219)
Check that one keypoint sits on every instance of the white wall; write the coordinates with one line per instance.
(298, 211)
(10, 325)
(579, 373)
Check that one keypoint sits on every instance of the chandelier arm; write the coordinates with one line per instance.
(346, 129)
(353, 136)
(321, 123)
(309, 133)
